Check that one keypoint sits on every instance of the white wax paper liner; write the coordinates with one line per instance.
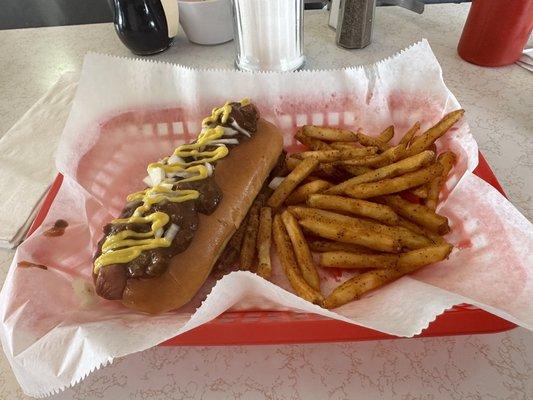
(55, 331)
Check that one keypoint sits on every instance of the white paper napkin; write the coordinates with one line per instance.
(27, 159)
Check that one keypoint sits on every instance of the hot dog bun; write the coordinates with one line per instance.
(240, 176)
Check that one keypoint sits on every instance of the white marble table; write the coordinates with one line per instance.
(498, 104)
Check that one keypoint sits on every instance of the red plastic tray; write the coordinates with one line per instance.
(272, 327)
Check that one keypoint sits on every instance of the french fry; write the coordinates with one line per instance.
(436, 239)
(325, 171)
(290, 182)
(344, 259)
(230, 256)
(394, 185)
(301, 194)
(408, 262)
(415, 259)
(247, 254)
(343, 145)
(335, 155)
(301, 250)
(447, 160)
(421, 191)
(331, 173)
(378, 141)
(355, 287)
(321, 246)
(418, 214)
(429, 137)
(264, 265)
(312, 143)
(329, 134)
(406, 165)
(355, 169)
(389, 156)
(362, 208)
(334, 230)
(311, 178)
(404, 236)
(406, 139)
(289, 264)
(292, 162)
(386, 135)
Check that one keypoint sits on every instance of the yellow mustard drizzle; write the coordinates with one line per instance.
(127, 245)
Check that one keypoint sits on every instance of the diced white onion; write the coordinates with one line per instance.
(241, 130)
(171, 232)
(229, 132)
(157, 175)
(274, 183)
(148, 180)
(210, 169)
(174, 159)
(224, 141)
(159, 233)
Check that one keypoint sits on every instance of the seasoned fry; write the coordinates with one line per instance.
(300, 194)
(394, 185)
(334, 230)
(292, 162)
(331, 173)
(436, 239)
(362, 208)
(343, 145)
(418, 214)
(325, 171)
(412, 260)
(355, 169)
(378, 142)
(289, 264)
(343, 195)
(429, 137)
(250, 236)
(386, 135)
(231, 253)
(406, 165)
(312, 143)
(301, 250)
(421, 191)
(353, 288)
(447, 160)
(264, 266)
(406, 139)
(321, 246)
(344, 259)
(391, 155)
(329, 134)
(335, 155)
(404, 236)
(290, 182)
(311, 178)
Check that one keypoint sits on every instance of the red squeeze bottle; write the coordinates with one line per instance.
(496, 31)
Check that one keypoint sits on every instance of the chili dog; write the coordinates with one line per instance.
(157, 254)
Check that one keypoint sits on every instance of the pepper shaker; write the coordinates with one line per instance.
(355, 22)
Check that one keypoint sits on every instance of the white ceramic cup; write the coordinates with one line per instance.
(206, 21)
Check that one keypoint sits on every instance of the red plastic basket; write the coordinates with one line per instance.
(271, 327)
